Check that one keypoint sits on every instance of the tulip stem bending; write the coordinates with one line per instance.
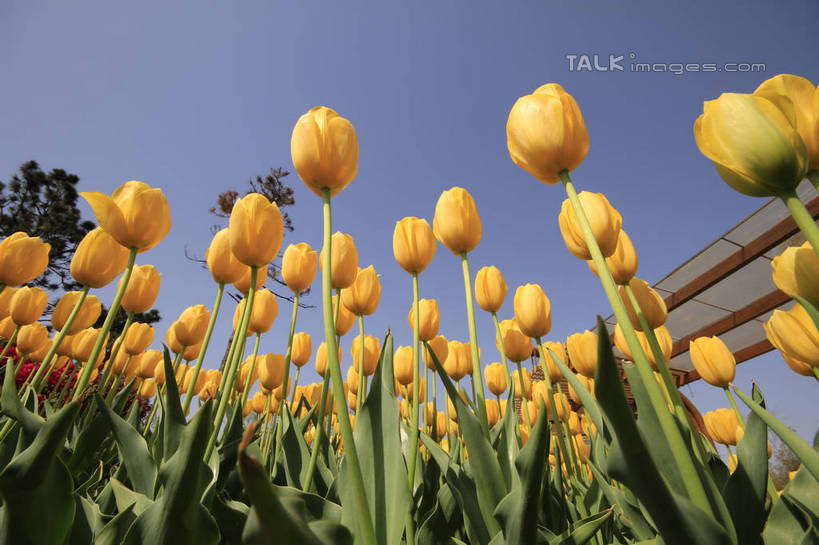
(365, 520)
(195, 376)
(803, 218)
(480, 402)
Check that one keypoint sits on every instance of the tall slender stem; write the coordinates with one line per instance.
(567, 454)
(359, 398)
(413, 405)
(803, 218)
(480, 402)
(106, 374)
(500, 344)
(295, 385)
(285, 382)
(249, 379)
(195, 376)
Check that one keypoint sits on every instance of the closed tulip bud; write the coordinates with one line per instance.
(546, 133)
(143, 287)
(7, 328)
(574, 423)
(5, 301)
(561, 404)
(372, 351)
(540, 391)
(458, 361)
(247, 368)
(86, 317)
(559, 351)
(148, 389)
(159, 372)
(265, 310)
(534, 409)
(243, 284)
(490, 289)
(413, 244)
(798, 367)
(301, 350)
(256, 230)
(456, 222)
(362, 297)
(622, 263)
(346, 319)
(794, 334)
(299, 266)
(789, 92)
(441, 423)
(440, 347)
(208, 391)
(192, 352)
(170, 339)
(352, 379)
(421, 389)
(258, 402)
(663, 339)
(492, 411)
(402, 365)
(650, 302)
(181, 370)
(344, 260)
(246, 410)
(222, 264)
(324, 148)
(582, 350)
(453, 413)
(119, 362)
(604, 219)
(138, 338)
(83, 343)
(98, 259)
(796, 272)
(495, 376)
(516, 345)
(533, 312)
(754, 145)
(136, 215)
(192, 324)
(39, 353)
(22, 258)
(527, 383)
(321, 358)
(722, 425)
(429, 319)
(30, 337)
(27, 305)
(200, 381)
(149, 362)
(64, 349)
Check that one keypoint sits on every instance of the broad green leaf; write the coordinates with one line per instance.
(789, 522)
(125, 498)
(584, 530)
(173, 418)
(116, 528)
(13, 407)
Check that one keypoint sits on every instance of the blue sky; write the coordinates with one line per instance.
(198, 97)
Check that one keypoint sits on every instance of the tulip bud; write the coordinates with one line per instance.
(86, 316)
(352, 380)
(192, 352)
(372, 351)
(651, 304)
(604, 219)
(490, 289)
(243, 284)
(622, 263)
(321, 358)
(98, 259)
(582, 350)
(256, 230)
(324, 148)
(516, 345)
(344, 261)
(299, 266)
(559, 351)
(413, 244)
(143, 287)
(64, 349)
(5, 301)
(265, 310)
(138, 338)
(7, 328)
(402, 365)
(148, 362)
(222, 264)
(83, 343)
(22, 258)
(192, 324)
(361, 298)
(429, 319)
(39, 353)
(533, 310)
(458, 361)
(301, 349)
(136, 215)
(27, 305)
(527, 383)
(159, 372)
(546, 133)
(495, 376)
(754, 145)
(453, 413)
(722, 425)
(492, 411)
(346, 319)
(794, 334)
(208, 391)
(456, 222)
(440, 347)
(796, 272)
(258, 402)
(574, 423)
(30, 337)
(663, 339)
(798, 367)
(148, 389)
(248, 368)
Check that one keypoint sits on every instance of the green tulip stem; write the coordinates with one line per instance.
(311, 467)
(682, 456)
(734, 405)
(196, 370)
(524, 401)
(10, 342)
(361, 506)
(561, 439)
(117, 380)
(574, 456)
(448, 421)
(434, 392)
(480, 400)
(265, 425)
(502, 349)
(41, 372)
(426, 395)
(813, 176)
(147, 429)
(249, 379)
(359, 398)
(288, 355)
(803, 218)
(232, 369)
(85, 376)
(295, 385)
(107, 372)
(413, 404)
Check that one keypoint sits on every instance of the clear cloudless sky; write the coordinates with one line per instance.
(198, 97)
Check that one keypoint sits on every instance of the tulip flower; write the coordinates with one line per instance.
(256, 230)
(148, 362)
(458, 362)
(798, 367)
(582, 350)
(517, 345)
(490, 289)
(142, 289)
(138, 338)
(796, 272)
(352, 382)
(650, 303)
(86, 317)
(22, 259)
(299, 266)
(372, 351)
(346, 319)
(302, 349)
(722, 425)
(83, 344)
(662, 335)
(794, 334)
(413, 244)
(533, 310)
(321, 358)
(559, 351)
(5, 301)
(429, 319)
(344, 261)
(493, 410)
(527, 383)
(440, 347)
(362, 296)
(171, 340)
(264, 313)
(713, 360)
(495, 376)
(605, 222)
(324, 148)
(402, 365)
(243, 284)
(192, 324)
(27, 305)
(622, 263)
(148, 389)
(98, 259)
(271, 370)
(136, 215)
(546, 133)
(457, 223)
(222, 264)
(31, 337)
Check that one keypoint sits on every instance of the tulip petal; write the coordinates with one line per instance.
(108, 214)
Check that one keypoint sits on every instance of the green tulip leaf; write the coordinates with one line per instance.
(29, 421)
(584, 530)
(116, 528)
(790, 521)
(173, 418)
(125, 498)
(87, 518)
(231, 517)
(295, 454)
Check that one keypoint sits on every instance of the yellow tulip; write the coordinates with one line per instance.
(722, 425)
(344, 260)
(440, 347)
(31, 337)
(582, 350)
(83, 343)
(527, 383)
(516, 344)
(402, 365)
(98, 259)
(650, 302)
(798, 367)
(27, 305)
(560, 352)
(456, 222)
(264, 313)
(794, 334)
(22, 258)
(136, 215)
(192, 352)
(258, 402)
(39, 353)
(148, 362)
(170, 339)
(148, 389)
(362, 296)
(429, 319)
(533, 310)
(495, 376)
(243, 284)
(192, 324)
(352, 381)
(143, 287)
(546, 133)
(138, 338)
(346, 319)
(321, 358)
(713, 360)
(605, 222)
(458, 361)
(208, 391)
(5, 301)
(798, 95)
(623, 262)
(372, 351)
(663, 339)
(453, 413)
(7, 328)
(753, 144)
(324, 148)
(270, 368)
(222, 264)
(413, 244)
(796, 272)
(490, 289)
(299, 266)
(256, 230)
(492, 411)
(86, 317)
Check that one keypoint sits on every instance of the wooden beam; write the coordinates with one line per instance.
(741, 355)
